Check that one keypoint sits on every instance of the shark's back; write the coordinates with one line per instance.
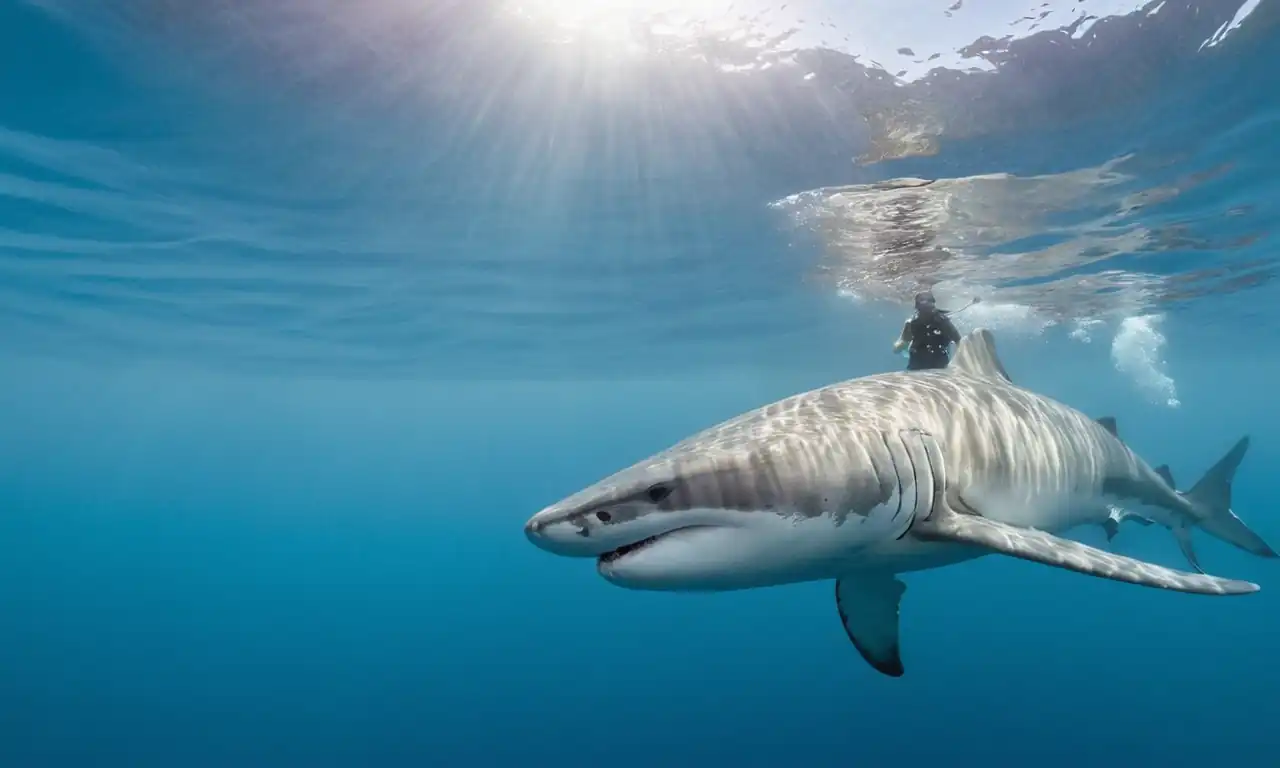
(990, 421)
(997, 435)
(994, 433)
(808, 452)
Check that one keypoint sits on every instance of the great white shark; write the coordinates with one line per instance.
(860, 481)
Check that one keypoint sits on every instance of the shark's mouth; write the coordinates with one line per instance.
(629, 549)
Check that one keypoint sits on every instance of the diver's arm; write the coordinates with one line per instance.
(903, 339)
(949, 329)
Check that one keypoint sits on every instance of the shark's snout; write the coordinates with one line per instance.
(560, 532)
(609, 529)
(531, 529)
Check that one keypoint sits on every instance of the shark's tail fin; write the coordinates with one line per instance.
(1212, 497)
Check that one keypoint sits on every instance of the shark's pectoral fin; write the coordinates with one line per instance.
(1041, 547)
(868, 605)
(943, 523)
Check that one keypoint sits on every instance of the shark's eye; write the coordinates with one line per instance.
(603, 516)
(657, 493)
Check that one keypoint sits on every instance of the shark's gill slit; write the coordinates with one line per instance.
(897, 475)
(926, 511)
(915, 487)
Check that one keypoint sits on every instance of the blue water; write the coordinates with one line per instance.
(307, 307)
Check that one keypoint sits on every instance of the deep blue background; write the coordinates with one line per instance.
(219, 571)
(277, 396)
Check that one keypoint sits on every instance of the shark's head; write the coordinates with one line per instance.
(766, 515)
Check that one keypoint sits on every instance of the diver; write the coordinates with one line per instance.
(929, 333)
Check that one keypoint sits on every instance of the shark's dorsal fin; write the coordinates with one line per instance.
(1166, 475)
(1109, 423)
(976, 356)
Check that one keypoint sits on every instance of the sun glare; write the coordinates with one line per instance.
(631, 27)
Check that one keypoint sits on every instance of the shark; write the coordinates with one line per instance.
(862, 481)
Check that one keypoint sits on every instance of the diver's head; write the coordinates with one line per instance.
(925, 304)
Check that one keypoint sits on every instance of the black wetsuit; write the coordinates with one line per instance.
(929, 336)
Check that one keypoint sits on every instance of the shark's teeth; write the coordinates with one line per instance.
(627, 549)
(609, 557)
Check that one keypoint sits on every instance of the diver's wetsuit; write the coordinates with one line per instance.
(930, 336)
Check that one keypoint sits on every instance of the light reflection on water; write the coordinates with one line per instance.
(1038, 251)
(564, 181)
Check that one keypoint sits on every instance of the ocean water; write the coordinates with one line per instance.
(306, 307)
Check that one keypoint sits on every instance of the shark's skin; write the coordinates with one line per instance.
(882, 475)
